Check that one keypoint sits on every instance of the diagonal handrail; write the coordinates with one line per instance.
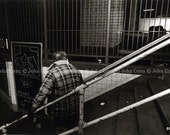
(131, 55)
(102, 75)
(122, 110)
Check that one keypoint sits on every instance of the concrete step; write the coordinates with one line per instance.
(94, 109)
(163, 103)
(149, 121)
(126, 122)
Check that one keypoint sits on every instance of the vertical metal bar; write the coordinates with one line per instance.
(129, 25)
(121, 31)
(161, 51)
(167, 9)
(81, 23)
(108, 32)
(45, 30)
(64, 23)
(48, 8)
(31, 21)
(134, 24)
(52, 32)
(57, 26)
(15, 34)
(97, 28)
(37, 22)
(102, 28)
(115, 28)
(16, 22)
(118, 26)
(92, 36)
(24, 28)
(85, 25)
(89, 27)
(124, 27)
(150, 16)
(60, 27)
(72, 26)
(68, 45)
(76, 46)
(123, 9)
(160, 16)
(112, 27)
(34, 21)
(143, 35)
(139, 35)
(81, 111)
(28, 21)
(156, 10)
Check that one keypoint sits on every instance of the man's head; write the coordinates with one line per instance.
(61, 55)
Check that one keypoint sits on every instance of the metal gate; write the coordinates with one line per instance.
(87, 28)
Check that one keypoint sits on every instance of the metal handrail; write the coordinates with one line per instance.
(131, 55)
(125, 109)
(107, 71)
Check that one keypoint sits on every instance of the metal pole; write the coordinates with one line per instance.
(111, 66)
(125, 109)
(108, 32)
(83, 86)
(81, 112)
(44, 106)
(45, 31)
(138, 57)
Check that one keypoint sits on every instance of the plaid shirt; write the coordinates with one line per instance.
(60, 80)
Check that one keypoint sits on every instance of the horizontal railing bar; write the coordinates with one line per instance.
(87, 84)
(144, 54)
(109, 67)
(125, 109)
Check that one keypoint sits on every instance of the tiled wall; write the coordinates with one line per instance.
(94, 14)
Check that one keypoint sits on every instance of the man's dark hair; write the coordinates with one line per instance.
(61, 55)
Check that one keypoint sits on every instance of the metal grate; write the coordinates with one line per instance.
(95, 28)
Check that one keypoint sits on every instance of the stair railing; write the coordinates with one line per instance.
(131, 55)
(118, 65)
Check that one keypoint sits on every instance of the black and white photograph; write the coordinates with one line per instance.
(85, 67)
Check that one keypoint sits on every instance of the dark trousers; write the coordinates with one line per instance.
(58, 125)
(66, 123)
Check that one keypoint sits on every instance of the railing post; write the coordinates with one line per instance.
(4, 131)
(81, 111)
(108, 32)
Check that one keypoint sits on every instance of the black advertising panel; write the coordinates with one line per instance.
(27, 65)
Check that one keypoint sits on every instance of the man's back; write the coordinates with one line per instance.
(61, 79)
(67, 78)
